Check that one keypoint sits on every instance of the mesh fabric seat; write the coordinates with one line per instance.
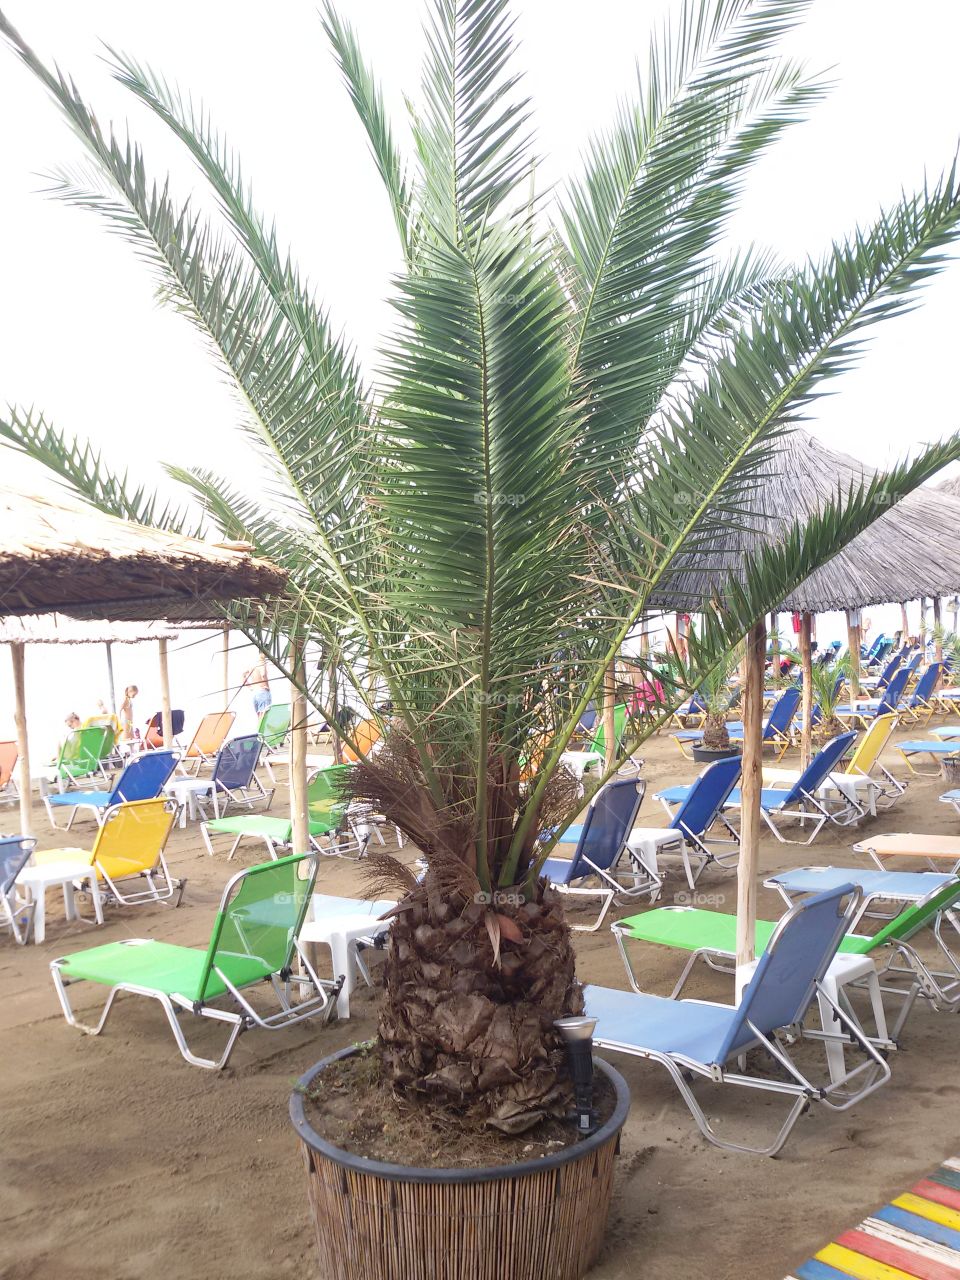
(253, 941)
(601, 841)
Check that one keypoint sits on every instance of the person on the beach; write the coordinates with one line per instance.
(126, 712)
(259, 683)
(72, 721)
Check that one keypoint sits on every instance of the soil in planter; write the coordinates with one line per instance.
(350, 1106)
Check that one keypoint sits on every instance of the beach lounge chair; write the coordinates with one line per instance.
(9, 755)
(84, 753)
(880, 891)
(601, 841)
(800, 800)
(695, 708)
(921, 704)
(711, 936)
(777, 731)
(941, 853)
(799, 789)
(142, 779)
(886, 675)
(273, 728)
(857, 781)
(699, 1038)
(326, 807)
(253, 943)
(210, 736)
(16, 911)
(592, 757)
(234, 779)
(686, 834)
(128, 853)
(937, 748)
(871, 708)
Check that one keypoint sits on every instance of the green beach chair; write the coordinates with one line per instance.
(712, 937)
(253, 943)
(326, 809)
(273, 729)
(84, 752)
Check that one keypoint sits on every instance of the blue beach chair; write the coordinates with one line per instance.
(868, 709)
(699, 1038)
(16, 912)
(234, 776)
(686, 834)
(601, 841)
(799, 801)
(143, 779)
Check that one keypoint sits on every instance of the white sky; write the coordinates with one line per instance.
(81, 336)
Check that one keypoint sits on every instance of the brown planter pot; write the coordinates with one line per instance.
(950, 771)
(377, 1221)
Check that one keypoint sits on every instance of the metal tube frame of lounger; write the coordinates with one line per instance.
(937, 756)
(12, 906)
(820, 818)
(174, 886)
(800, 1087)
(243, 795)
(325, 997)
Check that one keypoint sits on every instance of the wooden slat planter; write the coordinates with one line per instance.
(377, 1221)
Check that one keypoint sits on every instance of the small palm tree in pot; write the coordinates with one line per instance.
(574, 406)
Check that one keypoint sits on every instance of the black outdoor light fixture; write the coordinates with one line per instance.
(577, 1035)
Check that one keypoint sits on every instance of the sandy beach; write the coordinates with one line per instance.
(115, 1149)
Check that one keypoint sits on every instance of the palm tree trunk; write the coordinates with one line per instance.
(470, 1028)
(750, 786)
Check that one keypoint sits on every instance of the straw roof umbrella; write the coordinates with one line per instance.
(910, 551)
(60, 556)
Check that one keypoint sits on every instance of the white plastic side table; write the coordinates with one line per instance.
(37, 880)
(338, 923)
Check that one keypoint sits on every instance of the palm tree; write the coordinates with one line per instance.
(577, 396)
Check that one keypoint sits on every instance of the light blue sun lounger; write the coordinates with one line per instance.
(687, 833)
(143, 779)
(699, 1038)
(601, 842)
(798, 801)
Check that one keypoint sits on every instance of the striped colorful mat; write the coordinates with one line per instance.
(915, 1237)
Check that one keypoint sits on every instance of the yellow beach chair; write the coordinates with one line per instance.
(128, 853)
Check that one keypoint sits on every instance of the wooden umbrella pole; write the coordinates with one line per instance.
(609, 719)
(806, 705)
(225, 659)
(166, 715)
(750, 786)
(108, 645)
(853, 645)
(937, 631)
(17, 656)
(299, 812)
(904, 624)
(775, 651)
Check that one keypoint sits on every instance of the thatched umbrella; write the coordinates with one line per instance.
(61, 556)
(910, 551)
